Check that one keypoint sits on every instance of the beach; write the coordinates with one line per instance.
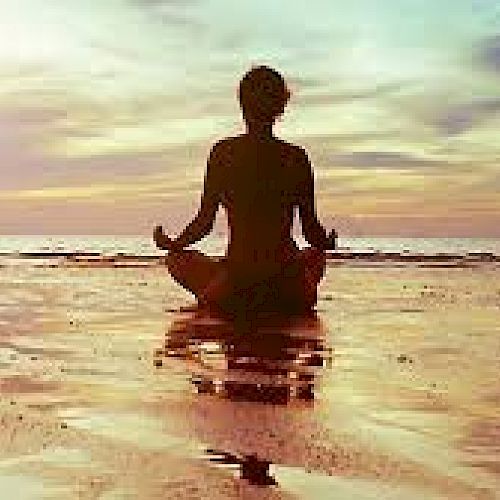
(111, 388)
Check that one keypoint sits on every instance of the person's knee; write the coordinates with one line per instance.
(178, 261)
(314, 256)
(314, 262)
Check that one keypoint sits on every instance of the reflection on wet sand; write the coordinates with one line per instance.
(271, 361)
(407, 410)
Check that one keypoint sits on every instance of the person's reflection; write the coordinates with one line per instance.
(271, 362)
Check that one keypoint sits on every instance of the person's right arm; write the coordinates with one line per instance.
(312, 229)
(204, 219)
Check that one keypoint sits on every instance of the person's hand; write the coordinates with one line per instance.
(161, 239)
(332, 240)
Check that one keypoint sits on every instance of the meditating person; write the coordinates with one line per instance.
(260, 180)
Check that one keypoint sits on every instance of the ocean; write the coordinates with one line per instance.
(110, 387)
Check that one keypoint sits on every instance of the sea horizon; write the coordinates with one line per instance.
(140, 245)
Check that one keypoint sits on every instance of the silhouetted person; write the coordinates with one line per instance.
(259, 179)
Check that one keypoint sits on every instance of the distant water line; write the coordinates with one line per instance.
(140, 251)
(216, 245)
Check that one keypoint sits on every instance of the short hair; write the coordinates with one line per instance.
(263, 94)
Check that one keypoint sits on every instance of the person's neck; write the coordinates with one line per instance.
(260, 130)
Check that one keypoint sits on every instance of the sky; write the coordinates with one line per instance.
(108, 109)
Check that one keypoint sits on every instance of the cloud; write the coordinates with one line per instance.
(20, 130)
(90, 124)
(160, 3)
(25, 164)
(490, 53)
(334, 96)
(173, 13)
(322, 148)
(328, 141)
(384, 160)
(146, 188)
(462, 117)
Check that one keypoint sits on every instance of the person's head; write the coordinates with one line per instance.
(263, 95)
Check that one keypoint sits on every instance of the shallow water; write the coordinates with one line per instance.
(110, 390)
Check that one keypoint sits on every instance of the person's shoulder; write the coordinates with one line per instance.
(225, 143)
(291, 148)
(296, 155)
(223, 147)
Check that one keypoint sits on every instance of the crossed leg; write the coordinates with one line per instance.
(195, 271)
(209, 281)
(302, 276)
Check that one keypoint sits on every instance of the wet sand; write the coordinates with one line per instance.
(108, 389)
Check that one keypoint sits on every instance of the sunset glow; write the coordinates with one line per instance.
(108, 109)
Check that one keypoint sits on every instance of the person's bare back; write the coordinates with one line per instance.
(260, 180)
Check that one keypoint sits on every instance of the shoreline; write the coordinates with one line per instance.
(332, 256)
